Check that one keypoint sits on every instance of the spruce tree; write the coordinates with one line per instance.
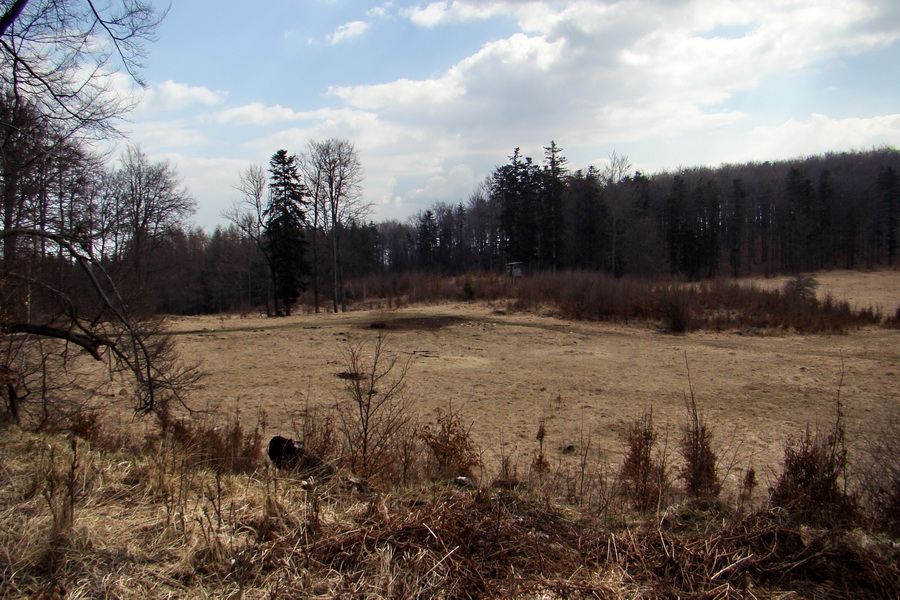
(552, 232)
(284, 239)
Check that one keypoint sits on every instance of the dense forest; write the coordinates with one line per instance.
(822, 212)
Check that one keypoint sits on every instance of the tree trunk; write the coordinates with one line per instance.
(338, 293)
(315, 261)
(12, 402)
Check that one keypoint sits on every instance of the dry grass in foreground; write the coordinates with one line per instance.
(196, 513)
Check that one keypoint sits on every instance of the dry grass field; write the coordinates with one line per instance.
(505, 372)
(196, 512)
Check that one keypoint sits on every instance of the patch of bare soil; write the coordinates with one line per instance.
(415, 323)
(507, 372)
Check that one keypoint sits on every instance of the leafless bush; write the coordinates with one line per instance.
(507, 477)
(223, 449)
(539, 464)
(90, 426)
(410, 455)
(60, 488)
(748, 484)
(317, 431)
(375, 409)
(681, 307)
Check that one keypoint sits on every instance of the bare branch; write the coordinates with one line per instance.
(10, 16)
(91, 344)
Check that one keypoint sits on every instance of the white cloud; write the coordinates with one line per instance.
(348, 31)
(256, 113)
(819, 134)
(403, 92)
(595, 74)
(381, 11)
(439, 13)
(171, 95)
(211, 181)
(170, 134)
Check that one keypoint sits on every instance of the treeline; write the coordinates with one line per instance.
(831, 211)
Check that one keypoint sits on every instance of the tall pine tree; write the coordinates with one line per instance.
(284, 240)
(552, 234)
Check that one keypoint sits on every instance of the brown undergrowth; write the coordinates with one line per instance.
(148, 520)
(678, 307)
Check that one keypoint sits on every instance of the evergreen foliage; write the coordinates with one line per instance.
(285, 218)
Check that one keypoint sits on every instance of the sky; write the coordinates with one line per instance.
(436, 95)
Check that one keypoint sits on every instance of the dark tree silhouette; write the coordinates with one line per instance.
(284, 243)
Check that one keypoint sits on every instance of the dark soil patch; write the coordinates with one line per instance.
(350, 375)
(416, 323)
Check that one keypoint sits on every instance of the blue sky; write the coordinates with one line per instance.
(435, 95)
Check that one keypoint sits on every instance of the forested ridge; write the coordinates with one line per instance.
(834, 211)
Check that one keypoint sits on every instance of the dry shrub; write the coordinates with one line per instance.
(748, 308)
(457, 545)
(257, 537)
(91, 427)
(224, 449)
(746, 487)
(399, 289)
(539, 464)
(451, 445)
(880, 476)
(674, 306)
(759, 556)
(591, 295)
(316, 430)
(811, 484)
(410, 456)
(643, 476)
(86, 425)
(585, 295)
(507, 477)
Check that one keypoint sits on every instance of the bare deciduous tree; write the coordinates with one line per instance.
(57, 67)
(89, 312)
(248, 215)
(334, 174)
(150, 202)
